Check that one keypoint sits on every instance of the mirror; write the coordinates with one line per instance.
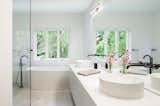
(132, 25)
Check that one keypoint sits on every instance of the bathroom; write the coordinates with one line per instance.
(57, 52)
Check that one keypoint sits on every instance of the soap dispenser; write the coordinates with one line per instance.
(106, 66)
(95, 66)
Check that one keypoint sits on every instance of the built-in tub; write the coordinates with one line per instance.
(49, 68)
(51, 78)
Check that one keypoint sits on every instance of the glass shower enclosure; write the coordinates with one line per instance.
(21, 53)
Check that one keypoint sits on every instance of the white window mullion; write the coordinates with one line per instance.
(58, 43)
(35, 47)
(47, 45)
(105, 37)
(116, 43)
(129, 43)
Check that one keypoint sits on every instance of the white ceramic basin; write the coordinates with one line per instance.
(84, 63)
(155, 81)
(122, 86)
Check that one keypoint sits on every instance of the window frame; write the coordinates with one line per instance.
(46, 58)
(117, 31)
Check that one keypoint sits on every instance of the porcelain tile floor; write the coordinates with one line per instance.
(45, 98)
(41, 98)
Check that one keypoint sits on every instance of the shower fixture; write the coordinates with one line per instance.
(21, 85)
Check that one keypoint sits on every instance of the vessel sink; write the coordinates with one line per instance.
(84, 63)
(155, 81)
(122, 86)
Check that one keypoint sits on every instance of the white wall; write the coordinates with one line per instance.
(6, 52)
(89, 39)
(156, 38)
(72, 21)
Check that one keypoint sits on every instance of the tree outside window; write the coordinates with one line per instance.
(41, 44)
(122, 43)
(100, 43)
(52, 44)
(111, 42)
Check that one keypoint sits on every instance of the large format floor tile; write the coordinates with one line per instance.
(21, 97)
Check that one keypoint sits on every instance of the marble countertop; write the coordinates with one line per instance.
(91, 85)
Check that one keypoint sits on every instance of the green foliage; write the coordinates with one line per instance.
(100, 43)
(122, 43)
(41, 44)
(111, 42)
(64, 45)
(52, 44)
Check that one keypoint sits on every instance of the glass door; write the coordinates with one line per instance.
(21, 53)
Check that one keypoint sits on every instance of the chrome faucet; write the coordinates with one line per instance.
(150, 64)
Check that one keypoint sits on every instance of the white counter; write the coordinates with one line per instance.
(90, 85)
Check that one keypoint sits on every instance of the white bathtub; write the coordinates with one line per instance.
(49, 68)
(50, 78)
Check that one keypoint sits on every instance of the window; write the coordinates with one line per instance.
(100, 43)
(110, 42)
(51, 44)
(115, 42)
(122, 42)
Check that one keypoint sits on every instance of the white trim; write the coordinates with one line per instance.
(105, 42)
(46, 44)
(129, 36)
(113, 29)
(58, 43)
(116, 43)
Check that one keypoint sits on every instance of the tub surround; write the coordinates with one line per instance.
(50, 78)
(85, 91)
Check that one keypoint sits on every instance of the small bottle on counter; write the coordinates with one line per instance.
(95, 66)
(106, 66)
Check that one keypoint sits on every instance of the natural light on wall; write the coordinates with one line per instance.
(97, 8)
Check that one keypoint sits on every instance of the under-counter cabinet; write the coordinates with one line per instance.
(79, 94)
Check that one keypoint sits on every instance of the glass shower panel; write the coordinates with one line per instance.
(21, 53)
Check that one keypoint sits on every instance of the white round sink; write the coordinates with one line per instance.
(122, 86)
(155, 81)
(84, 63)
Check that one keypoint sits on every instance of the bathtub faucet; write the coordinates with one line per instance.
(21, 70)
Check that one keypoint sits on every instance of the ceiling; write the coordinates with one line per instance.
(133, 5)
(82, 5)
(54, 5)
